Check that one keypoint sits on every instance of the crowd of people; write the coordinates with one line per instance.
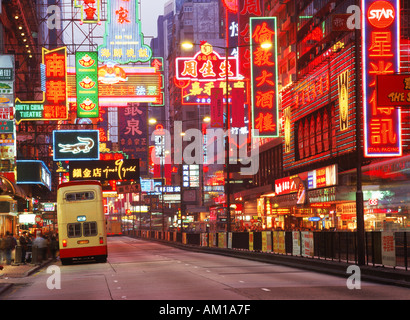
(46, 245)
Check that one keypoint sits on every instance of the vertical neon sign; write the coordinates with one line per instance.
(247, 9)
(381, 56)
(264, 77)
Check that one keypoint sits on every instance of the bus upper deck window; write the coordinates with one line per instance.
(78, 196)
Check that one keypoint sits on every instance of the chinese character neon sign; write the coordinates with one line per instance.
(264, 77)
(380, 36)
(123, 39)
(91, 9)
(54, 103)
(206, 65)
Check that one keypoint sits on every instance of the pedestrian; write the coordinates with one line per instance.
(41, 244)
(53, 246)
(23, 244)
(10, 245)
(2, 244)
(29, 248)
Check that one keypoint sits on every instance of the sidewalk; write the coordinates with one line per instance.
(19, 271)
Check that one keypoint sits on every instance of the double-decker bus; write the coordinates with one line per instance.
(81, 222)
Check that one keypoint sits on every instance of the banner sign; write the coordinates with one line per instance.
(393, 90)
(76, 145)
(381, 56)
(103, 170)
(86, 68)
(54, 103)
(238, 108)
(264, 77)
(206, 65)
(123, 39)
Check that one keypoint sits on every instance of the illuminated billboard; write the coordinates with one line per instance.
(381, 56)
(54, 103)
(103, 170)
(264, 77)
(118, 86)
(76, 145)
(86, 67)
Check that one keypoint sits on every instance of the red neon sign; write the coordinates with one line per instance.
(264, 77)
(206, 65)
(381, 36)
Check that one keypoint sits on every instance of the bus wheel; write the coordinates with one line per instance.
(66, 261)
(101, 259)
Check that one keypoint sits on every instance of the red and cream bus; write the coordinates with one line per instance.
(81, 222)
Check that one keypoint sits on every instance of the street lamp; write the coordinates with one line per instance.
(264, 45)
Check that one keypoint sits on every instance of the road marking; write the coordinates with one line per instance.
(264, 289)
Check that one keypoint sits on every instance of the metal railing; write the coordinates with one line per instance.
(337, 246)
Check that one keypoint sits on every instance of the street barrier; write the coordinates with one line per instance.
(382, 248)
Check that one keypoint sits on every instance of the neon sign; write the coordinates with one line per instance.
(76, 145)
(118, 86)
(246, 9)
(206, 65)
(200, 91)
(264, 74)
(123, 39)
(90, 8)
(87, 84)
(381, 36)
(103, 170)
(54, 103)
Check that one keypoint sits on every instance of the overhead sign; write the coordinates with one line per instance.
(86, 67)
(76, 145)
(381, 56)
(102, 170)
(54, 103)
(123, 39)
(118, 86)
(206, 65)
(264, 77)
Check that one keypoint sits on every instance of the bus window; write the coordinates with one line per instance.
(74, 230)
(77, 196)
(89, 229)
